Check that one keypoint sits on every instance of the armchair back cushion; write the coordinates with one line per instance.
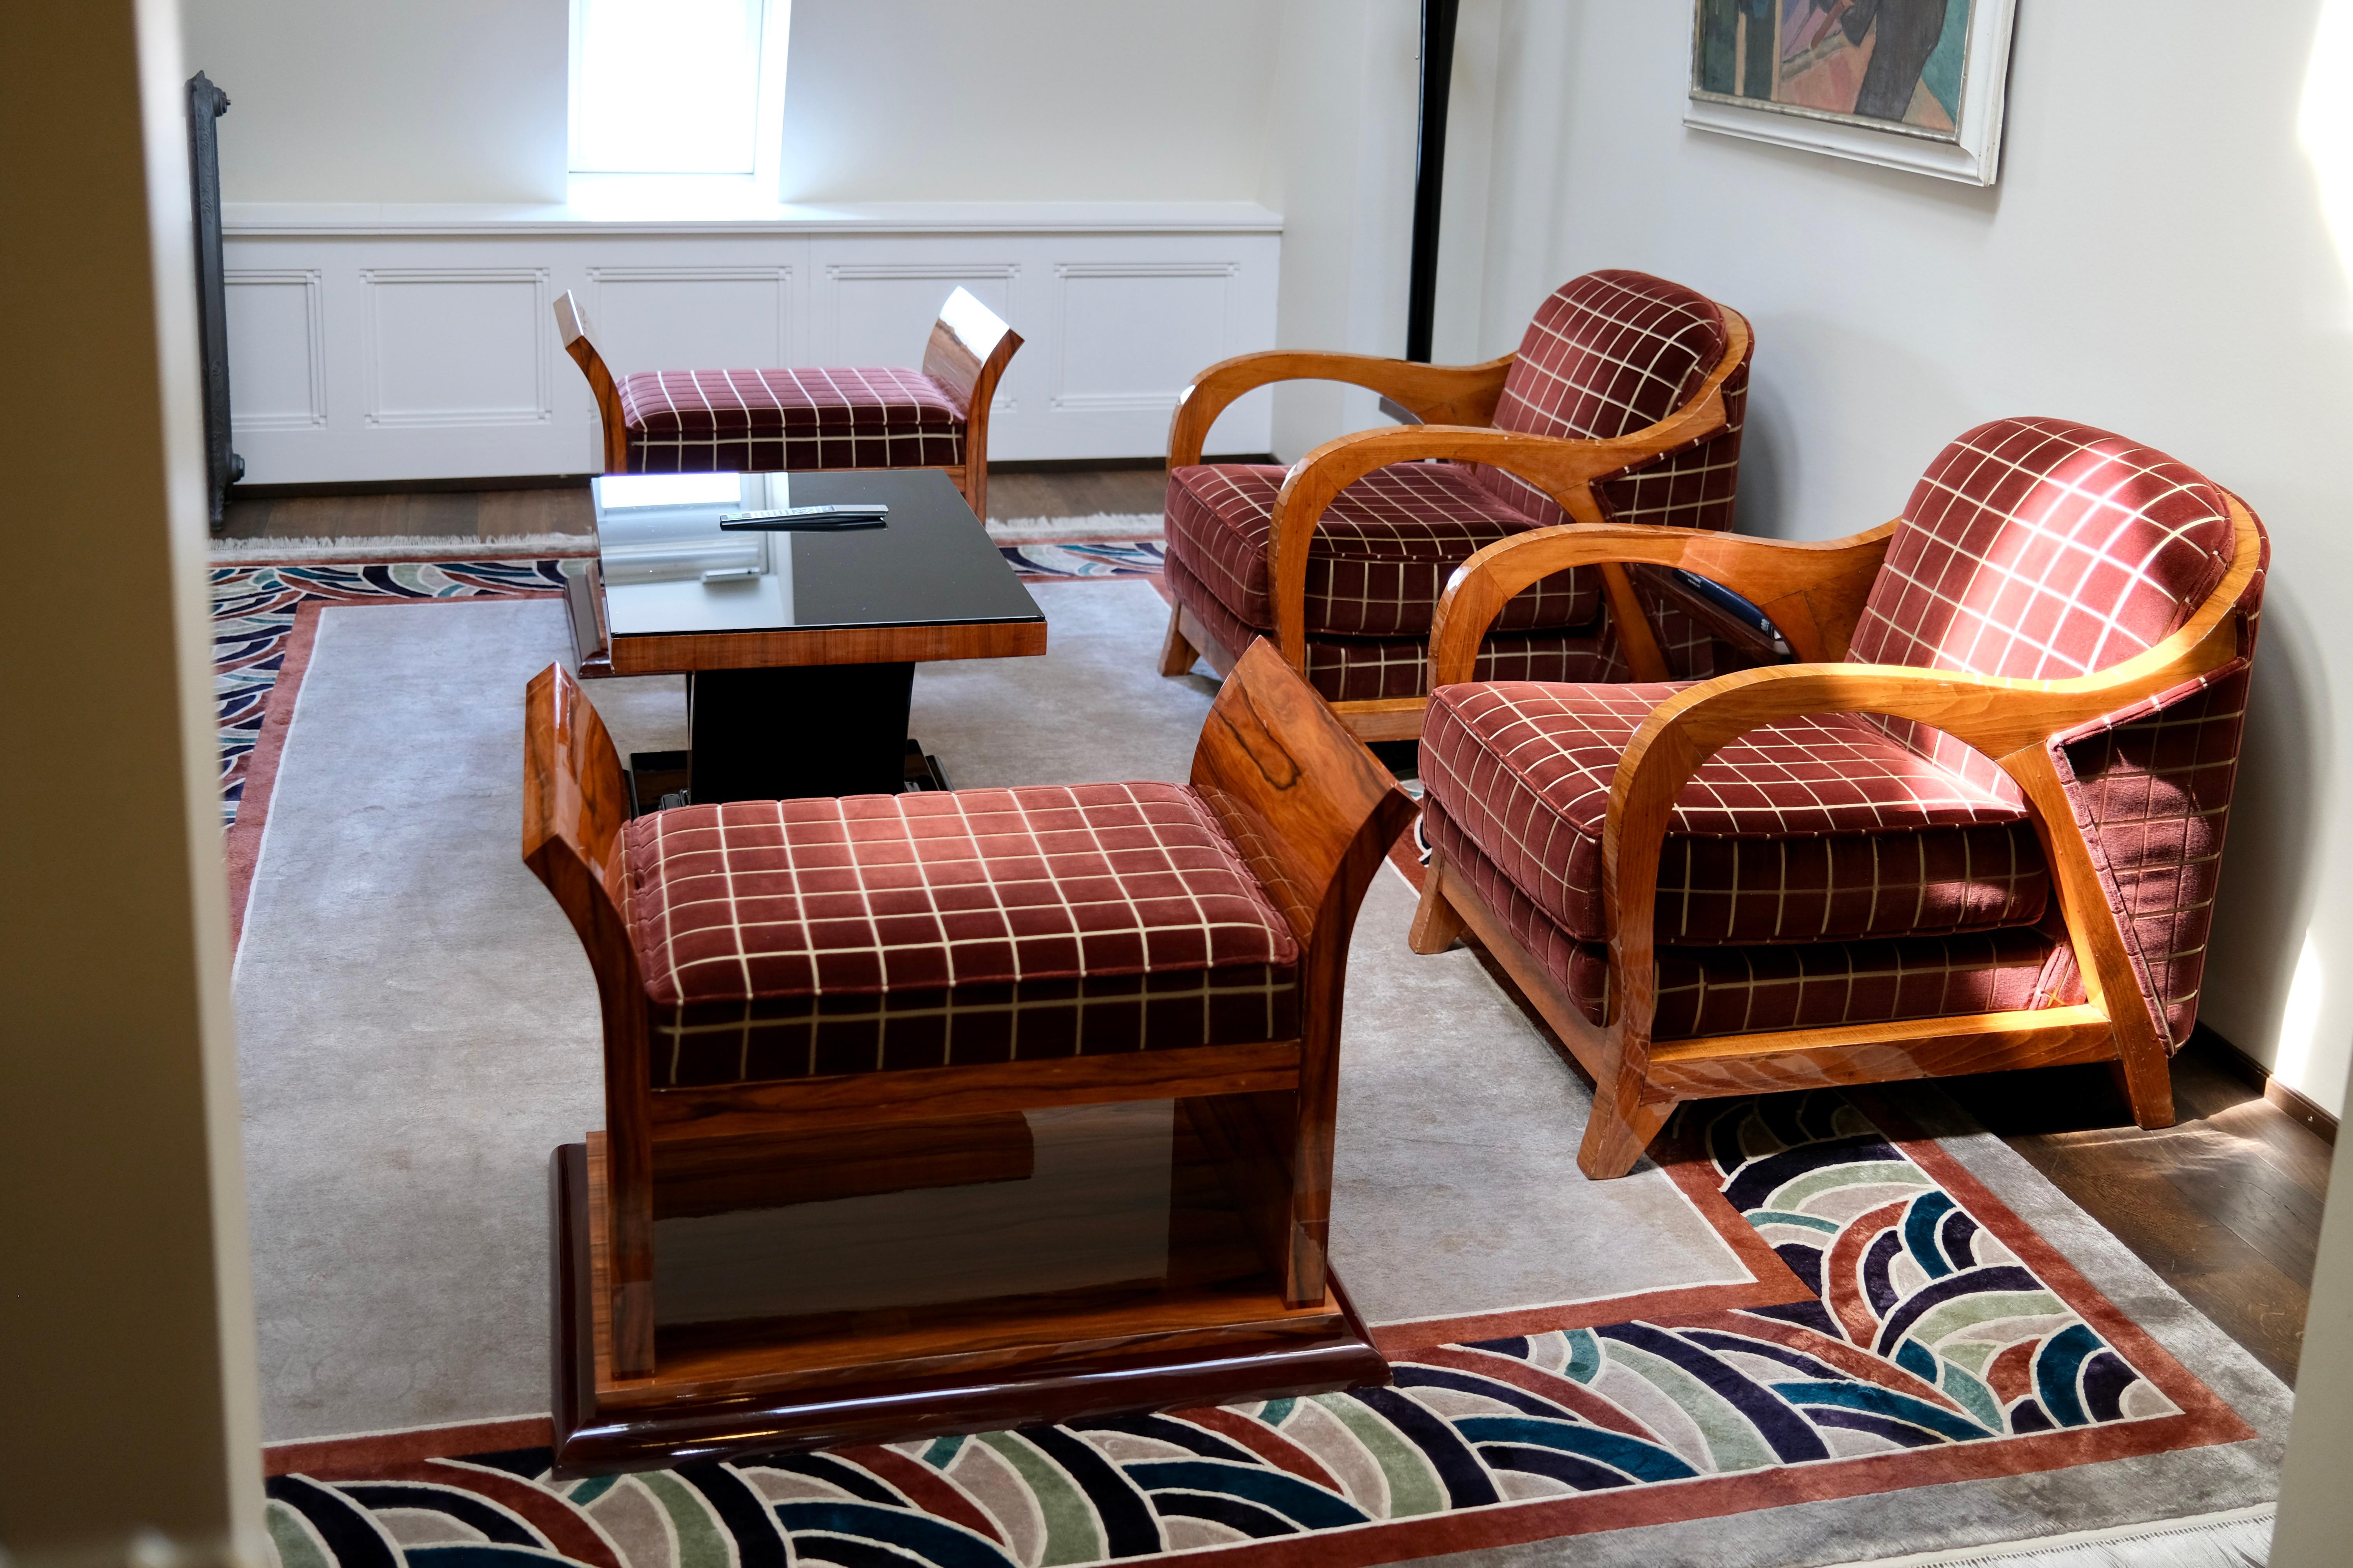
(2041, 549)
(1606, 355)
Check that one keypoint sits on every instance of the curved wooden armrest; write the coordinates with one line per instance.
(2013, 721)
(1814, 592)
(1561, 467)
(1437, 393)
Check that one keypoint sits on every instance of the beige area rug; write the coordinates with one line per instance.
(1638, 1364)
(419, 1029)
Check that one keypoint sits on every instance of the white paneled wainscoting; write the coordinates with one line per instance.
(397, 342)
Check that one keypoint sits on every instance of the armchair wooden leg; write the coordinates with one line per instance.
(1176, 655)
(1436, 924)
(1614, 1138)
(2144, 1075)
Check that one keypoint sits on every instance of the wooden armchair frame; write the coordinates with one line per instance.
(968, 349)
(1309, 810)
(1815, 592)
(1457, 406)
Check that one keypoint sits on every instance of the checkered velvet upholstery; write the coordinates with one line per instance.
(1608, 355)
(1725, 989)
(1349, 669)
(766, 421)
(1815, 829)
(2031, 547)
(2044, 549)
(788, 939)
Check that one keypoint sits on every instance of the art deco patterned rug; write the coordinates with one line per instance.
(1827, 1328)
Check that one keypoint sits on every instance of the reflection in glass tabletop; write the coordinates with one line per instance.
(670, 569)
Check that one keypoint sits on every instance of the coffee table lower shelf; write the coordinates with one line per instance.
(737, 1390)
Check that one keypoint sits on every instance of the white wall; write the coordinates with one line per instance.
(1044, 101)
(2157, 259)
(397, 100)
(1339, 168)
(464, 100)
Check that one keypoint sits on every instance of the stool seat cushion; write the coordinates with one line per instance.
(797, 938)
(1382, 552)
(1815, 829)
(766, 421)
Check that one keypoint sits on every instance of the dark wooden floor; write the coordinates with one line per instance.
(486, 514)
(2225, 1205)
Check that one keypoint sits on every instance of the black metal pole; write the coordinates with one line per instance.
(1438, 18)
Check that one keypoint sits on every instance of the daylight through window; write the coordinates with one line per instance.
(674, 86)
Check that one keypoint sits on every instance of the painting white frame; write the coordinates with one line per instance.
(1971, 154)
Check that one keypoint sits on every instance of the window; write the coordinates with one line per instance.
(678, 87)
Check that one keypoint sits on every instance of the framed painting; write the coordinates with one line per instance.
(1911, 84)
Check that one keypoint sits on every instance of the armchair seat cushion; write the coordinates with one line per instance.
(1737, 990)
(766, 421)
(1817, 829)
(797, 938)
(1382, 552)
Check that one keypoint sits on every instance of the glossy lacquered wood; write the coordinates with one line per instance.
(1310, 811)
(967, 350)
(823, 1380)
(1821, 589)
(673, 655)
(575, 799)
(1457, 406)
(924, 1094)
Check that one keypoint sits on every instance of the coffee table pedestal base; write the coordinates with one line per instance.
(800, 730)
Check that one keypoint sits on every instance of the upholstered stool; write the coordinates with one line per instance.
(808, 418)
(796, 990)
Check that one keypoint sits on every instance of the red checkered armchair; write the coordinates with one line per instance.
(1624, 404)
(1977, 826)
(797, 420)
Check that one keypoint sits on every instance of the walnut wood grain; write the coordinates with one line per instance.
(1313, 813)
(968, 349)
(1564, 470)
(1715, 1065)
(920, 1094)
(725, 1175)
(1814, 592)
(675, 653)
(1213, 1330)
(576, 800)
(572, 328)
(2013, 721)
(1435, 393)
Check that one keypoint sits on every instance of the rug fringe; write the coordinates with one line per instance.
(402, 547)
(2240, 1538)
(1094, 525)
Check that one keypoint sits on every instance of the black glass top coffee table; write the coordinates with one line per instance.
(799, 648)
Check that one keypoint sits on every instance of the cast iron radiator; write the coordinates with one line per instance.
(223, 468)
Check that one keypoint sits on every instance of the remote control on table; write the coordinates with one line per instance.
(843, 514)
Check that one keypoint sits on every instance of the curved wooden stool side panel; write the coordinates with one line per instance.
(576, 800)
